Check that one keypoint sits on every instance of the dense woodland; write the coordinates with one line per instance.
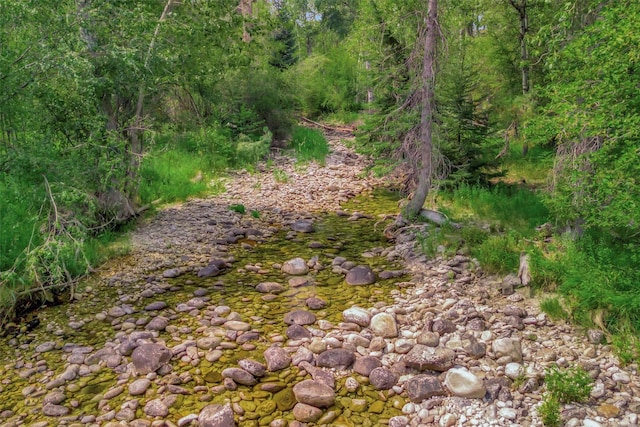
(524, 109)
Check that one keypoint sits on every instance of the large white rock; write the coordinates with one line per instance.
(357, 315)
(384, 325)
(463, 383)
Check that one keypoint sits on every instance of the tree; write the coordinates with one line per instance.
(425, 169)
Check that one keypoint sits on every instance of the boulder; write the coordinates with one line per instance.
(299, 317)
(254, 367)
(360, 275)
(270, 287)
(338, 358)
(216, 416)
(424, 358)
(295, 267)
(302, 226)
(463, 383)
(150, 357)
(421, 387)
(357, 315)
(296, 332)
(384, 325)
(314, 393)
(306, 413)
(364, 365)
(277, 358)
(240, 376)
(507, 350)
(382, 378)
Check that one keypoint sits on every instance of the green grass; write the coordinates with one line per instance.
(309, 145)
(532, 168)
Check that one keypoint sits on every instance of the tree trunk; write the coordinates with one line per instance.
(521, 8)
(426, 117)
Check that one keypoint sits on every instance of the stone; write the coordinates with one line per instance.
(216, 416)
(298, 281)
(306, 413)
(52, 410)
(139, 386)
(211, 270)
(382, 378)
(55, 397)
(171, 273)
(357, 315)
(384, 325)
(443, 326)
(156, 408)
(514, 370)
(422, 358)
(398, 421)
(156, 305)
(314, 393)
(285, 399)
(239, 376)
(277, 358)
(595, 336)
(270, 287)
(428, 338)
(421, 387)
(295, 267)
(302, 226)
(299, 317)
(302, 354)
(608, 410)
(514, 310)
(463, 383)
(364, 365)
(360, 275)
(150, 357)
(254, 367)
(158, 323)
(338, 358)
(297, 332)
(507, 350)
(315, 303)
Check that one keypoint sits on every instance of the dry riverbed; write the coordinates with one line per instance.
(290, 317)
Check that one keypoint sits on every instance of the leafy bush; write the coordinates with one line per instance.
(309, 144)
(473, 236)
(499, 254)
(553, 308)
(569, 385)
(549, 412)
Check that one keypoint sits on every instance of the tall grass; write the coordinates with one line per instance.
(309, 144)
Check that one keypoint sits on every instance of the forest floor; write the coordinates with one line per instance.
(441, 345)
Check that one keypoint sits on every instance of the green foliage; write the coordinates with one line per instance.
(238, 208)
(473, 236)
(280, 176)
(570, 385)
(309, 144)
(438, 241)
(553, 309)
(499, 253)
(549, 411)
(594, 113)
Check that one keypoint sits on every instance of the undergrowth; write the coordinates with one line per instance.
(309, 145)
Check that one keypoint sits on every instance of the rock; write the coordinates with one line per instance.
(302, 354)
(302, 226)
(216, 416)
(237, 325)
(55, 397)
(295, 267)
(514, 310)
(384, 325)
(422, 358)
(306, 413)
(270, 287)
(360, 275)
(357, 315)
(399, 421)
(421, 387)
(298, 281)
(171, 273)
(277, 358)
(254, 367)
(156, 305)
(314, 393)
(239, 376)
(156, 408)
(45, 347)
(315, 303)
(595, 336)
(607, 410)
(338, 358)
(364, 365)
(299, 317)
(403, 345)
(139, 386)
(158, 323)
(507, 350)
(52, 410)
(285, 399)
(463, 383)
(150, 357)
(443, 326)
(211, 270)
(382, 378)
(514, 370)
(428, 338)
(296, 332)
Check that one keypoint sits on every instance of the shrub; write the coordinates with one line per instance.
(570, 385)
(549, 412)
(309, 144)
(499, 254)
(553, 308)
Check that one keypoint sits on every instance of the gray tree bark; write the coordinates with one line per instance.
(428, 78)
